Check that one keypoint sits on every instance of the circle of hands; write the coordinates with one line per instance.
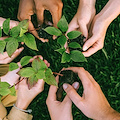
(94, 28)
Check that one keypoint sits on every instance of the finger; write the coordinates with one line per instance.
(90, 42)
(40, 57)
(3, 56)
(46, 62)
(73, 25)
(40, 14)
(52, 92)
(82, 73)
(31, 60)
(95, 47)
(73, 95)
(15, 54)
(83, 29)
(55, 15)
(2, 38)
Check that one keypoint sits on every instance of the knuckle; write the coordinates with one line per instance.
(21, 16)
(61, 5)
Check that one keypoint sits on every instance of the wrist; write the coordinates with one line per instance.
(88, 2)
(21, 105)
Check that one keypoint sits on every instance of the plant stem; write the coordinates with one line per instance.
(57, 74)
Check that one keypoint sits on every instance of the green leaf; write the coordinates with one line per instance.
(20, 39)
(8, 39)
(14, 32)
(38, 64)
(6, 26)
(40, 74)
(29, 40)
(2, 46)
(32, 80)
(13, 91)
(12, 45)
(25, 60)
(73, 34)
(50, 79)
(24, 24)
(13, 66)
(4, 91)
(53, 31)
(4, 88)
(77, 56)
(0, 32)
(74, 45)
(63, 24)
(22, 31)
(26, 72)
(65, 57)
(62, 40)
(61, 50)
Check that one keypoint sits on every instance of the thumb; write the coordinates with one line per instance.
(72, 94)
(89, 43)
(83, 29)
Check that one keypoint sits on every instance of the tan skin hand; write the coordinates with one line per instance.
(93, 102)
(38, 7)
(58, 110)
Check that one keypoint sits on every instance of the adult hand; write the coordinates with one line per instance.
(25, 96)
(99, 27)
(84, 16)
(93, 102)
(4, 58)
(38, 7)
(59, 110)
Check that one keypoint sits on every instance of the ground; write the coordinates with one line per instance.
(103, 65)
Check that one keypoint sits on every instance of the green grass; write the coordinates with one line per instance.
(104, 66)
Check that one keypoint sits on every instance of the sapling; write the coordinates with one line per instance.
(16, 36)
(75, 53)
(37, 70)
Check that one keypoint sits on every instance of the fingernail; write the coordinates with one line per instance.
(75, 85)
(85, 48)
(65, 86)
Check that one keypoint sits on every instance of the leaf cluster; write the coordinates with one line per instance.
(16, 35)
(38, 70)
(63, 38)
(6, 89)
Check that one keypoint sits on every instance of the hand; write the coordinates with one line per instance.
(5, 59)
(38, 7)
(25, 96)
(93, 102)
(96, 37)
(83, 17)
(59, 110)
(99, 27)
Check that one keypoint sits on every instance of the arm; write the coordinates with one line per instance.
(93, 103)
(99, 27)
(3, 111)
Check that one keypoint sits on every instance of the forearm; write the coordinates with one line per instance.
(3, 111)
(110, 11)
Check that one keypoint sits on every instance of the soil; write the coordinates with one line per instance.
(68, 77)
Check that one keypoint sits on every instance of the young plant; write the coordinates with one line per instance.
(16, 35)
(75, 53)
(38, 70)
(5, 89)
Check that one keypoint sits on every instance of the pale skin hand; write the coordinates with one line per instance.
(59, 110)
(99, 27)
(38, 7)
(25, 96)
(83, 17)
(93, 102)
